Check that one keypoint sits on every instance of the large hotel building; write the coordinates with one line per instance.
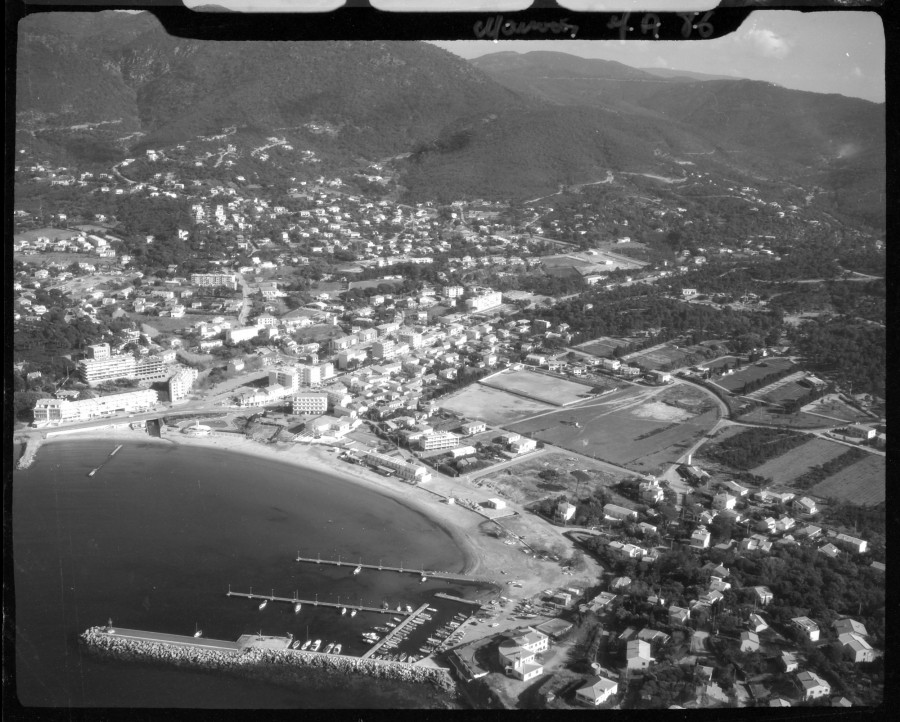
(214, 279)
(125, 366)
(61, 411)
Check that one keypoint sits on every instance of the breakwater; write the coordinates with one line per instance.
(32, 444)
(264, 663)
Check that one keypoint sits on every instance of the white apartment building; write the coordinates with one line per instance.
(236, 335)
(403, 469)
(289, 378)
(98, 351)
(310, 403)
(214, 279)
(441, 440)
(484, 301)
(180, 384)
(61, 411)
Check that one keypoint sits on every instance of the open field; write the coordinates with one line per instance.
(661, 356)
(736, 380)
(63, 258)
(522, 484)
(790, 391)
(493, 406)
(782, 469)
(833, 407)
(631, 428)
(538, 386)
(604, 346)
(860, 483)
(790, 421)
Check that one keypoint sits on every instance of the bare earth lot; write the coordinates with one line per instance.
(750, 373)
(664, 356)
(538, 386)
(860, 483)
(834, 408)
(782, 469)
(493, 406)
(522, 483)
(633, 428)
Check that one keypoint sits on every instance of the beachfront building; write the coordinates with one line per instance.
(49, 412)
(309, 403)
(97, 370)
(181, 383)
(402, 469)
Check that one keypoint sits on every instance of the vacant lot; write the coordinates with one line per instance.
(833, 407)
(523, 484)
(782, 469)
(759, 370)
(538, 386)
(603, 347)
(764, 415)
(493, 406)
(860, 483)
(662, 356)
(631, 428)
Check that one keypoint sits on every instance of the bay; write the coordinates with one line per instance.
(156, 537)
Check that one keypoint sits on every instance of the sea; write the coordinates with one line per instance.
(160, 533)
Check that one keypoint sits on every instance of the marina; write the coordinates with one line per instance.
(394, 632)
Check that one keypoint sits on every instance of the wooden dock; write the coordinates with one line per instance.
(427, 573)
(312, 602)
(394, 631)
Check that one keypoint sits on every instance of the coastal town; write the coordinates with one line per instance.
(457, 383)
(647, 408)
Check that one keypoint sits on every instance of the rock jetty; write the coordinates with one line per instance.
(32, 443)
(272, 665)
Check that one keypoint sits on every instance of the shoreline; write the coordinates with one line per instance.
(457, 522)
(484, 555)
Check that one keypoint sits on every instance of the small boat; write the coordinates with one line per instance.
(358, 569)
(337, 649)
(263, 604)
(329, 647)
(316, 645)
(382, 629)
(197, 631)
(343, 610)
(431, 609)
(409, 609)
(353, 612)
(305, 645)
(396, 619)
(399, 608)
(295, 644)
(297, 607)
(403, 657)
(423, 579)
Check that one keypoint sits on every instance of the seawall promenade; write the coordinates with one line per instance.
(269, 660)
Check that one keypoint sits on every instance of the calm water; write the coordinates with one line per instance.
(154, 539)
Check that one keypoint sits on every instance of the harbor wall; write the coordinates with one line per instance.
(32, 444)
(272, 665)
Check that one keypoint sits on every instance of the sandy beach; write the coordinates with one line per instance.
(485, 555)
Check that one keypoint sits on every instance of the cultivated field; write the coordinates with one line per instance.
(603, 347)
(860, 483)
(493, 406)
(750, 373)
(782, 469)
(538, 386)
(784, 392)
(522, 483)
(632, 428)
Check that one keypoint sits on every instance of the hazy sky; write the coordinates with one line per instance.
(825, 52)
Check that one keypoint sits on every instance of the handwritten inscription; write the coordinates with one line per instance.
(496, 26)
(651, 23)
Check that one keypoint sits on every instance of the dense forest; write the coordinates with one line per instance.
(751, 447)
(851, 353)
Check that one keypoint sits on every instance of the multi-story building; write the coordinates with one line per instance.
(61, 411)
(98, 351)
(228, 280)
(403, 469)
(95, 371)
(180, 384)
(310, 403)
(441, 440)
(518, 653)
(484, 301)
(384, 348)
(288, 377)
(237, 335)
